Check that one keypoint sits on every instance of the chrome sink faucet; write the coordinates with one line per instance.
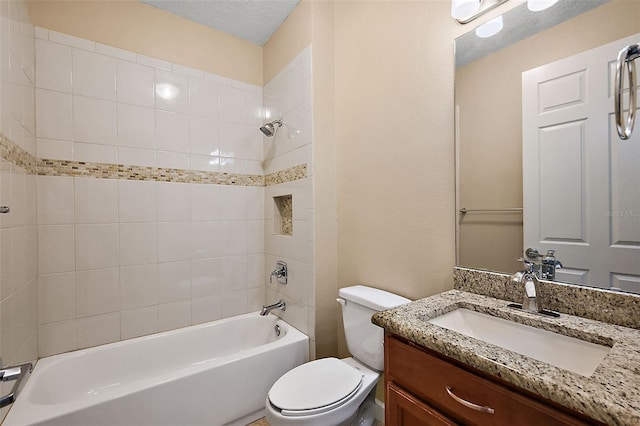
(529, 280)
(278, 305)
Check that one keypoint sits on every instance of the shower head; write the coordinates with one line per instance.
(270, 129)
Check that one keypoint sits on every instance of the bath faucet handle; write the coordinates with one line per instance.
(281, 273)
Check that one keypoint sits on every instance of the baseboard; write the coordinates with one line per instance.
(379, 412)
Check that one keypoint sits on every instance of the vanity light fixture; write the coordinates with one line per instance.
(490, 28)
(538, 5)
(465, 11)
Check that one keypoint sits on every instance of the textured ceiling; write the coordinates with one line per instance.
(252, 20)
(519, 23)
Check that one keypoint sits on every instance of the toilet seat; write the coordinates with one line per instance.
(315, 387)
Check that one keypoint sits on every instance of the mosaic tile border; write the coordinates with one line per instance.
(13, 153)
(287, 175)
(597, 304)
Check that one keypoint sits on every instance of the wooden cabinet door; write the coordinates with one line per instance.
(402, 409)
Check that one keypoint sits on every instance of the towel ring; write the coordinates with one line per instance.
(626, 63)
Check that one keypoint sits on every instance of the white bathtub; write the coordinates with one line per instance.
(211, 374)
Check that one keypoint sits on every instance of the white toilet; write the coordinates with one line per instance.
(331, 391)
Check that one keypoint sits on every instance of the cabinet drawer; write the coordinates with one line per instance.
(470, 398)
(402, 409)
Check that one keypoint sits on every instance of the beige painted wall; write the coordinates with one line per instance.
(490, 128)
(141, 28)
(394, 125)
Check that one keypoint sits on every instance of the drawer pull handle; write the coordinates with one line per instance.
(481, 408)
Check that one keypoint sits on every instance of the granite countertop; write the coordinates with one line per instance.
(611, 394)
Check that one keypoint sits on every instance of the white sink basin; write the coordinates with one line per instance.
(561, 351)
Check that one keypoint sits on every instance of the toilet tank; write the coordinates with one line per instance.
(364, 339)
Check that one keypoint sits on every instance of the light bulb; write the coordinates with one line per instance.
(461, 9)
(538, 5)
(490, 28)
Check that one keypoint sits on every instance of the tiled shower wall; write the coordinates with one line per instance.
(288, 96)
(18, 263)
(120, 258)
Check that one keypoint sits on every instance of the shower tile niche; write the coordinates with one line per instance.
(283, 215)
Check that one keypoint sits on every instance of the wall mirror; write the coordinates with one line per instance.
(531, 71)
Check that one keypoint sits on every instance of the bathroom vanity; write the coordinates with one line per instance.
(435, 376)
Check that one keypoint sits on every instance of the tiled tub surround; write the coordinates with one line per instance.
(288, 95)
(99, 104)
(611, 394)
(18, 231)
(173, 231)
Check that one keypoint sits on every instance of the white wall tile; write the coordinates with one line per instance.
(231, 202)
(174, 241)
(154, 62)
(56, 297)
(235, 106)
(255, 236)
(56, 338)
(53, 70)
(205, 201)
(174, 315)
(95, 153)
(137, 201)
(97, 292)
(256, 276)
(53, 115)
(205, 309)
(98, 330)
(94, 121)
(71, 40)
(190, 72)
(203, 136)
(232, 238)
(204, 162)
(96, 246)
(41, 33)
(234, 273)
(136, 157)
(241, 141)
(172, 91)
(138, 243)
(173, 202)
(172, 160)
(254, 203)
(204, 240)
(172, 131)
(233, 165)
(116, 52)
(54, 150)
(139, 322)
(94, 75)
(174, 281)
(203, 98)
(56, 249)
(138, 286)
(255, 299)
(55, 200)
(207, 276)
(96, 200)
(135, 84)
(136, 126)
(234, 303)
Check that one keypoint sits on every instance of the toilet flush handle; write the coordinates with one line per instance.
(341, 301)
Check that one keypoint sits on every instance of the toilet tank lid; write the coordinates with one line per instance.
(372, 298)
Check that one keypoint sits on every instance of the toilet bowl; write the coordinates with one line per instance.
(331, 391)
